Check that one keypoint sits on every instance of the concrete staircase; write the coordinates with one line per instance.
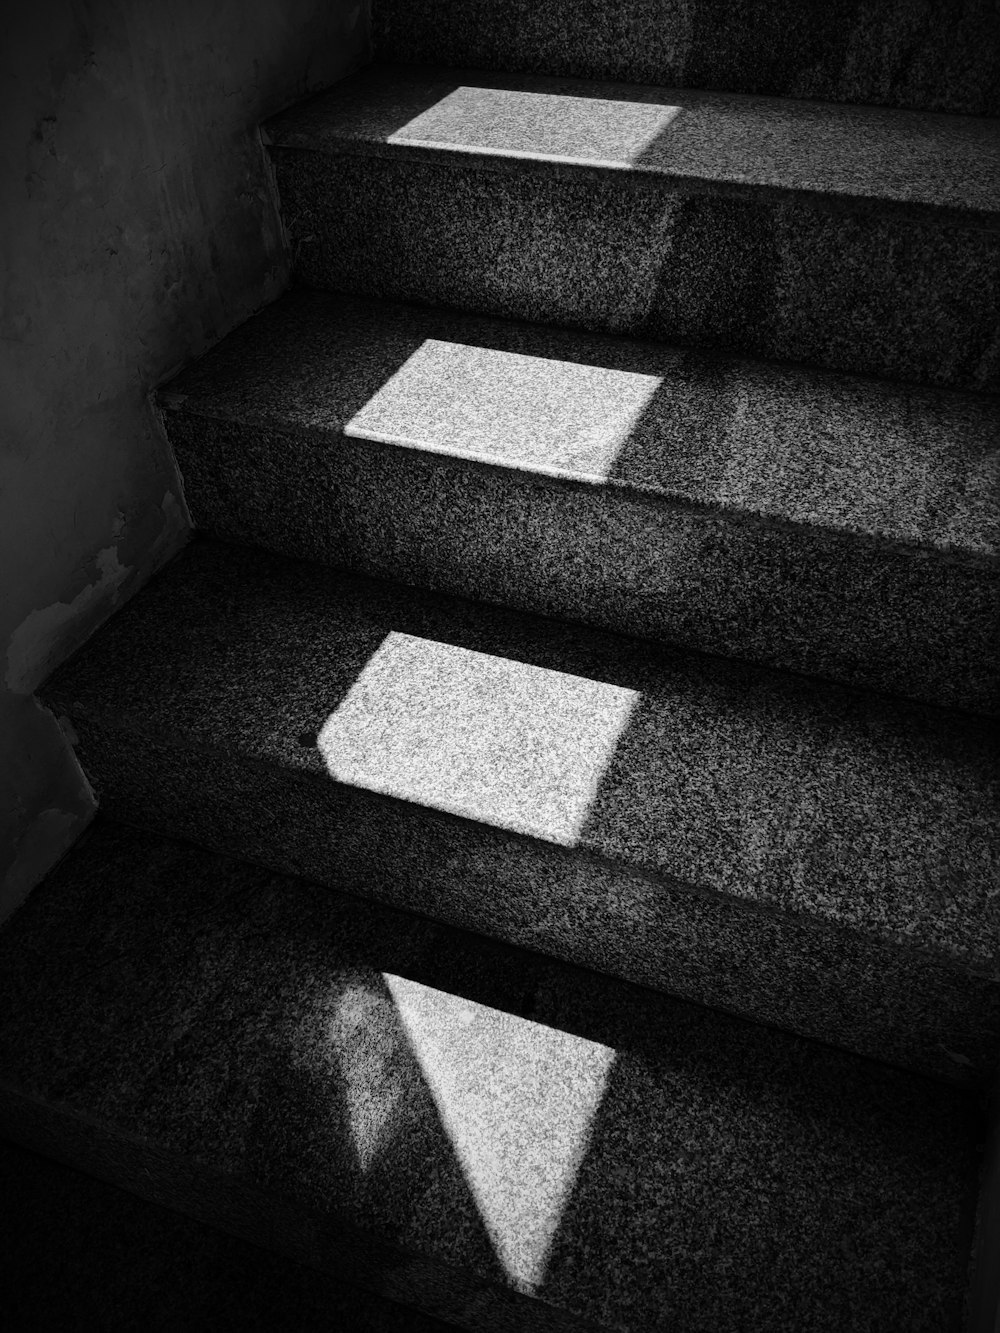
(549, 863)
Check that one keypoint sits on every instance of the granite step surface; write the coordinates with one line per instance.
(498, 1140)
(858, 239)
(813, 857)
(837, 526)
(933, 55)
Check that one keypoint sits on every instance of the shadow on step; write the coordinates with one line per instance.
(682, 1163)
(846, 835)
(622, 1155)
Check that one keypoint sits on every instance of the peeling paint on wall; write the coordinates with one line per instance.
(34, 644)
(49, 634)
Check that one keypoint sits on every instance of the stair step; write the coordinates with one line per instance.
(936, 55)
(857, 239)
(841, 527)
(702, 140)
(810, 856)
(498, 1140)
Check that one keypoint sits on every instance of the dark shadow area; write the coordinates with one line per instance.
(217, 1013)
(333, 117)
(774, 1187)
(936, 55)
(78, 1253)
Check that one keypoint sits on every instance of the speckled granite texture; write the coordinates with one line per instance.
(938, 54)
(815, 857)
(840, 527)
(799, 271)
(549, 1146)
(78, 1253)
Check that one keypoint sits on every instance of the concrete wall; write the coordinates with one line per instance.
(137, 225)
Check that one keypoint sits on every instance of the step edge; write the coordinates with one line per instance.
(190, 407)
(970, 967)
(281, 130)
(657, 181)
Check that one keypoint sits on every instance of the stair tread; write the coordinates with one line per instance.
(937, 55)
(773, 790)
(519, 1123)
(890, 462)
(864, 155)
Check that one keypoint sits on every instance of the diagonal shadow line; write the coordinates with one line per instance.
(409, 1184)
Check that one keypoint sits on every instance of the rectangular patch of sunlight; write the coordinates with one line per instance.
(556, 417)
(516, 746)
(592, 131)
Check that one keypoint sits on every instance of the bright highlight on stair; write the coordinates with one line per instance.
(548, 416)
(513, 122)
(517, 1100)
(498, 741)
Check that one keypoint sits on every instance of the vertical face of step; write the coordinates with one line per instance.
(858, 240)
(939, 55)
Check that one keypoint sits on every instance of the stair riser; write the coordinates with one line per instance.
(901, 620)
(815, 980)
(934, 55)
(887, 293)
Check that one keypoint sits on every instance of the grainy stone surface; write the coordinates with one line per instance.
(915, 466)
(841, 527)
(909, 53)
(783, 275)
(845, 154)
(812, 856)
(624, 1158)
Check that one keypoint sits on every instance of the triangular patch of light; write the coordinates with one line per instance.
(517, 1100)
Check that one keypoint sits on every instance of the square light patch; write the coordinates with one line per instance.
(550, 416)
(498, 741)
